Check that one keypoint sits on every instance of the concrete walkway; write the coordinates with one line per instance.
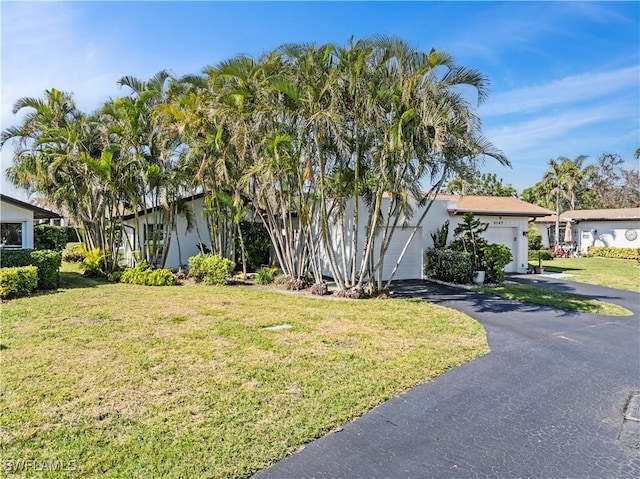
(555, 398)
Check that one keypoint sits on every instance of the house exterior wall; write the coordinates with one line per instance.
(14, 214)
(184, 244)
(508, 230)
(606, 233)
(595, 233)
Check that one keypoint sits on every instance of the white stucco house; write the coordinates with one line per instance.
(610, 227)
(17, 220)
(508, 220)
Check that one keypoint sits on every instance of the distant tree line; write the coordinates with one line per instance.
(573, 184)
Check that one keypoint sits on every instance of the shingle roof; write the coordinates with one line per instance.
(492, 206)
(38, 213)
(616, 214)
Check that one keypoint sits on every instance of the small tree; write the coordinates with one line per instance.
(469, 238)
(439, 237)
(496, 257)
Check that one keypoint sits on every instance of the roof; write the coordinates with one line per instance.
(614, 214)
(130, 216)
(38, 213)
(492, 206)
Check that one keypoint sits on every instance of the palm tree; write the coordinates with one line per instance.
(57, 146)
(562, 183)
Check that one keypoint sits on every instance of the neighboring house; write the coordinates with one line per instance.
(613, 227)
(17, 219)
(508, 220)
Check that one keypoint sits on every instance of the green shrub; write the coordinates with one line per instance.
(146, 276)
(257, 244)
(210, 269)
(545, 255)
(18, 281)
(49, 237)
(496, 257)
(48, 264)
(93, 263)
(161, 277)
(612, 252)
(449, 265)
(74, 253)
(116, 276)
(12, 258)
(72, 234)
(534, 239)
(266, 275)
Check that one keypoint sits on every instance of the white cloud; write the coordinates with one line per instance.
(573, 89)
(555, 127)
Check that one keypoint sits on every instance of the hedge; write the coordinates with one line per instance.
(612, 252)
(143, 275)
(17, 282)
(211, 269)
(449, 265)
(49, 237)
(48, 263)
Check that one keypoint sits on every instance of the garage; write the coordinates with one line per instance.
(411, 265)
(506, 236)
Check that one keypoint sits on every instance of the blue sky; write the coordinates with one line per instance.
(565, 76)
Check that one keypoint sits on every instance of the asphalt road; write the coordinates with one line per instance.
(548, 401)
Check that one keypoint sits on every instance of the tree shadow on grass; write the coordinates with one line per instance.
(71, 280)
(470, 302)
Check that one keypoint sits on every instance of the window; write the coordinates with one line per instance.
(153, 236)
(11, 235)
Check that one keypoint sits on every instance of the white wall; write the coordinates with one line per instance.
(596, 233)
(510, 231)
(187, 241)
(606, 233)
(14, 214)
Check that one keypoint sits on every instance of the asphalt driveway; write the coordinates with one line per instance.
(557, 397)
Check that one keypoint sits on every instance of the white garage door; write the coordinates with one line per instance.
(411, 265)
(507, 237)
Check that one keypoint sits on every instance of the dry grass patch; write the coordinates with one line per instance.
(133, 381)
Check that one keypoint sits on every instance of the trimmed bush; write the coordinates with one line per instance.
(496, 257)
(17, 282)
(49, 237)
(613, 252)
(211, 269)
(449, 265)
(48, 264)
(13, 258)
(146, 276)
(74, 253)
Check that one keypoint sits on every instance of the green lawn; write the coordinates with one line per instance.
(614, 273)
(119, 380)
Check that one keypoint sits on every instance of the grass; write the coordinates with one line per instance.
(555, 299)
(120, 380)
(613, 273)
